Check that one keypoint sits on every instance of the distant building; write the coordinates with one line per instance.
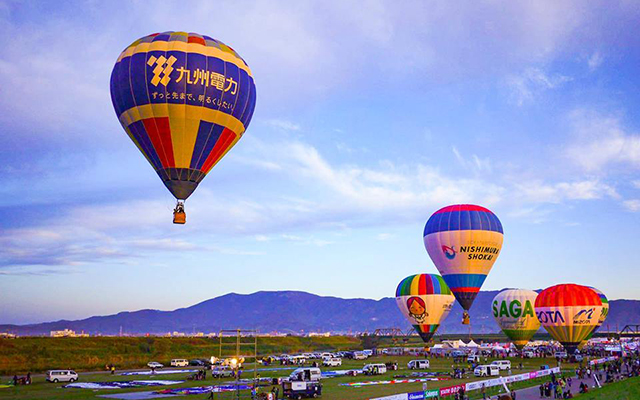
(7, 335)
(319, 334)
(67, 333)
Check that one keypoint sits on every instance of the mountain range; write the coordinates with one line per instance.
(292, 312)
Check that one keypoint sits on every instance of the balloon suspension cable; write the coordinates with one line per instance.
(179, 216)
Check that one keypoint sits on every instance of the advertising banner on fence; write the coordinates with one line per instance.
(401, 396)
(602, 360)
(450, 390)
(508, 379)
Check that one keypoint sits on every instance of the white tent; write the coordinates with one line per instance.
(472, 344)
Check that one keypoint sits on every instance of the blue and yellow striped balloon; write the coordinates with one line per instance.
(185, 100)
(463, 242)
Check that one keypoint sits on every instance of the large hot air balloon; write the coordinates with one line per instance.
(514, 312)
(185, 100)
(425, 300)
(463, 242)
(569, 313)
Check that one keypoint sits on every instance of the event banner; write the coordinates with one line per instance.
(509, 379)
(451, 390)
(428, 394)
(603, 360)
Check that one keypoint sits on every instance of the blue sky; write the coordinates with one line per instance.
(368, 119)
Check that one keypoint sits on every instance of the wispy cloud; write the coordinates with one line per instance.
(632, 205)
(283, 124)
(595, 61)
(474, 163)
(531, 83)
(541, 192)
(601, 140)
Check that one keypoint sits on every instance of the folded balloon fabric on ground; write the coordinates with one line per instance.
(119, 385)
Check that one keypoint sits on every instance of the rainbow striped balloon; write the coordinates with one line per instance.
(185, 100)
(425, 300)
(463, 242)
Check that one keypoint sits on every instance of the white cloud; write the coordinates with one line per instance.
(541, 192)
(595, 61)
(474, 164)
(632, 205)
(636, 184)
(531, 83)
(283, 124)
(384, 236)
(602, 140)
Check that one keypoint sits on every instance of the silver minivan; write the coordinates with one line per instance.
(62, 375)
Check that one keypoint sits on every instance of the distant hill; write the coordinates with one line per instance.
(290, 312)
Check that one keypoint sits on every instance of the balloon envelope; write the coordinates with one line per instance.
(185, 100)
(463, 242)
(603, 314)
(569, 313)
(514, 312)
(425, 300)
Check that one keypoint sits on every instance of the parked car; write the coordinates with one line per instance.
(560, 354)
(197, 363)
(221, 372)
(418, 364)
(528, 354)
(359, 355)
(62, 375)
(487, 370)
(179, 362)
(155, 365)
(332, 362)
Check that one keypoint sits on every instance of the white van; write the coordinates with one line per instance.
(305, 374)
(473, 358)
(487, 370)
(502, 364)
(62, 375)
(374, 369)
(332, 362)
(418, 364)
(179, 362)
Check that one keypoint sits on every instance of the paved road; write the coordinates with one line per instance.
(533, 393)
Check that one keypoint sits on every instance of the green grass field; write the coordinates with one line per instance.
(37, 354)
(624, 390)
(332, 390)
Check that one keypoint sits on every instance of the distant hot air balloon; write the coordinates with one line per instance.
(185, 100)
(514, 312)
(569, 313)
(425, 300)
(463, 242)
